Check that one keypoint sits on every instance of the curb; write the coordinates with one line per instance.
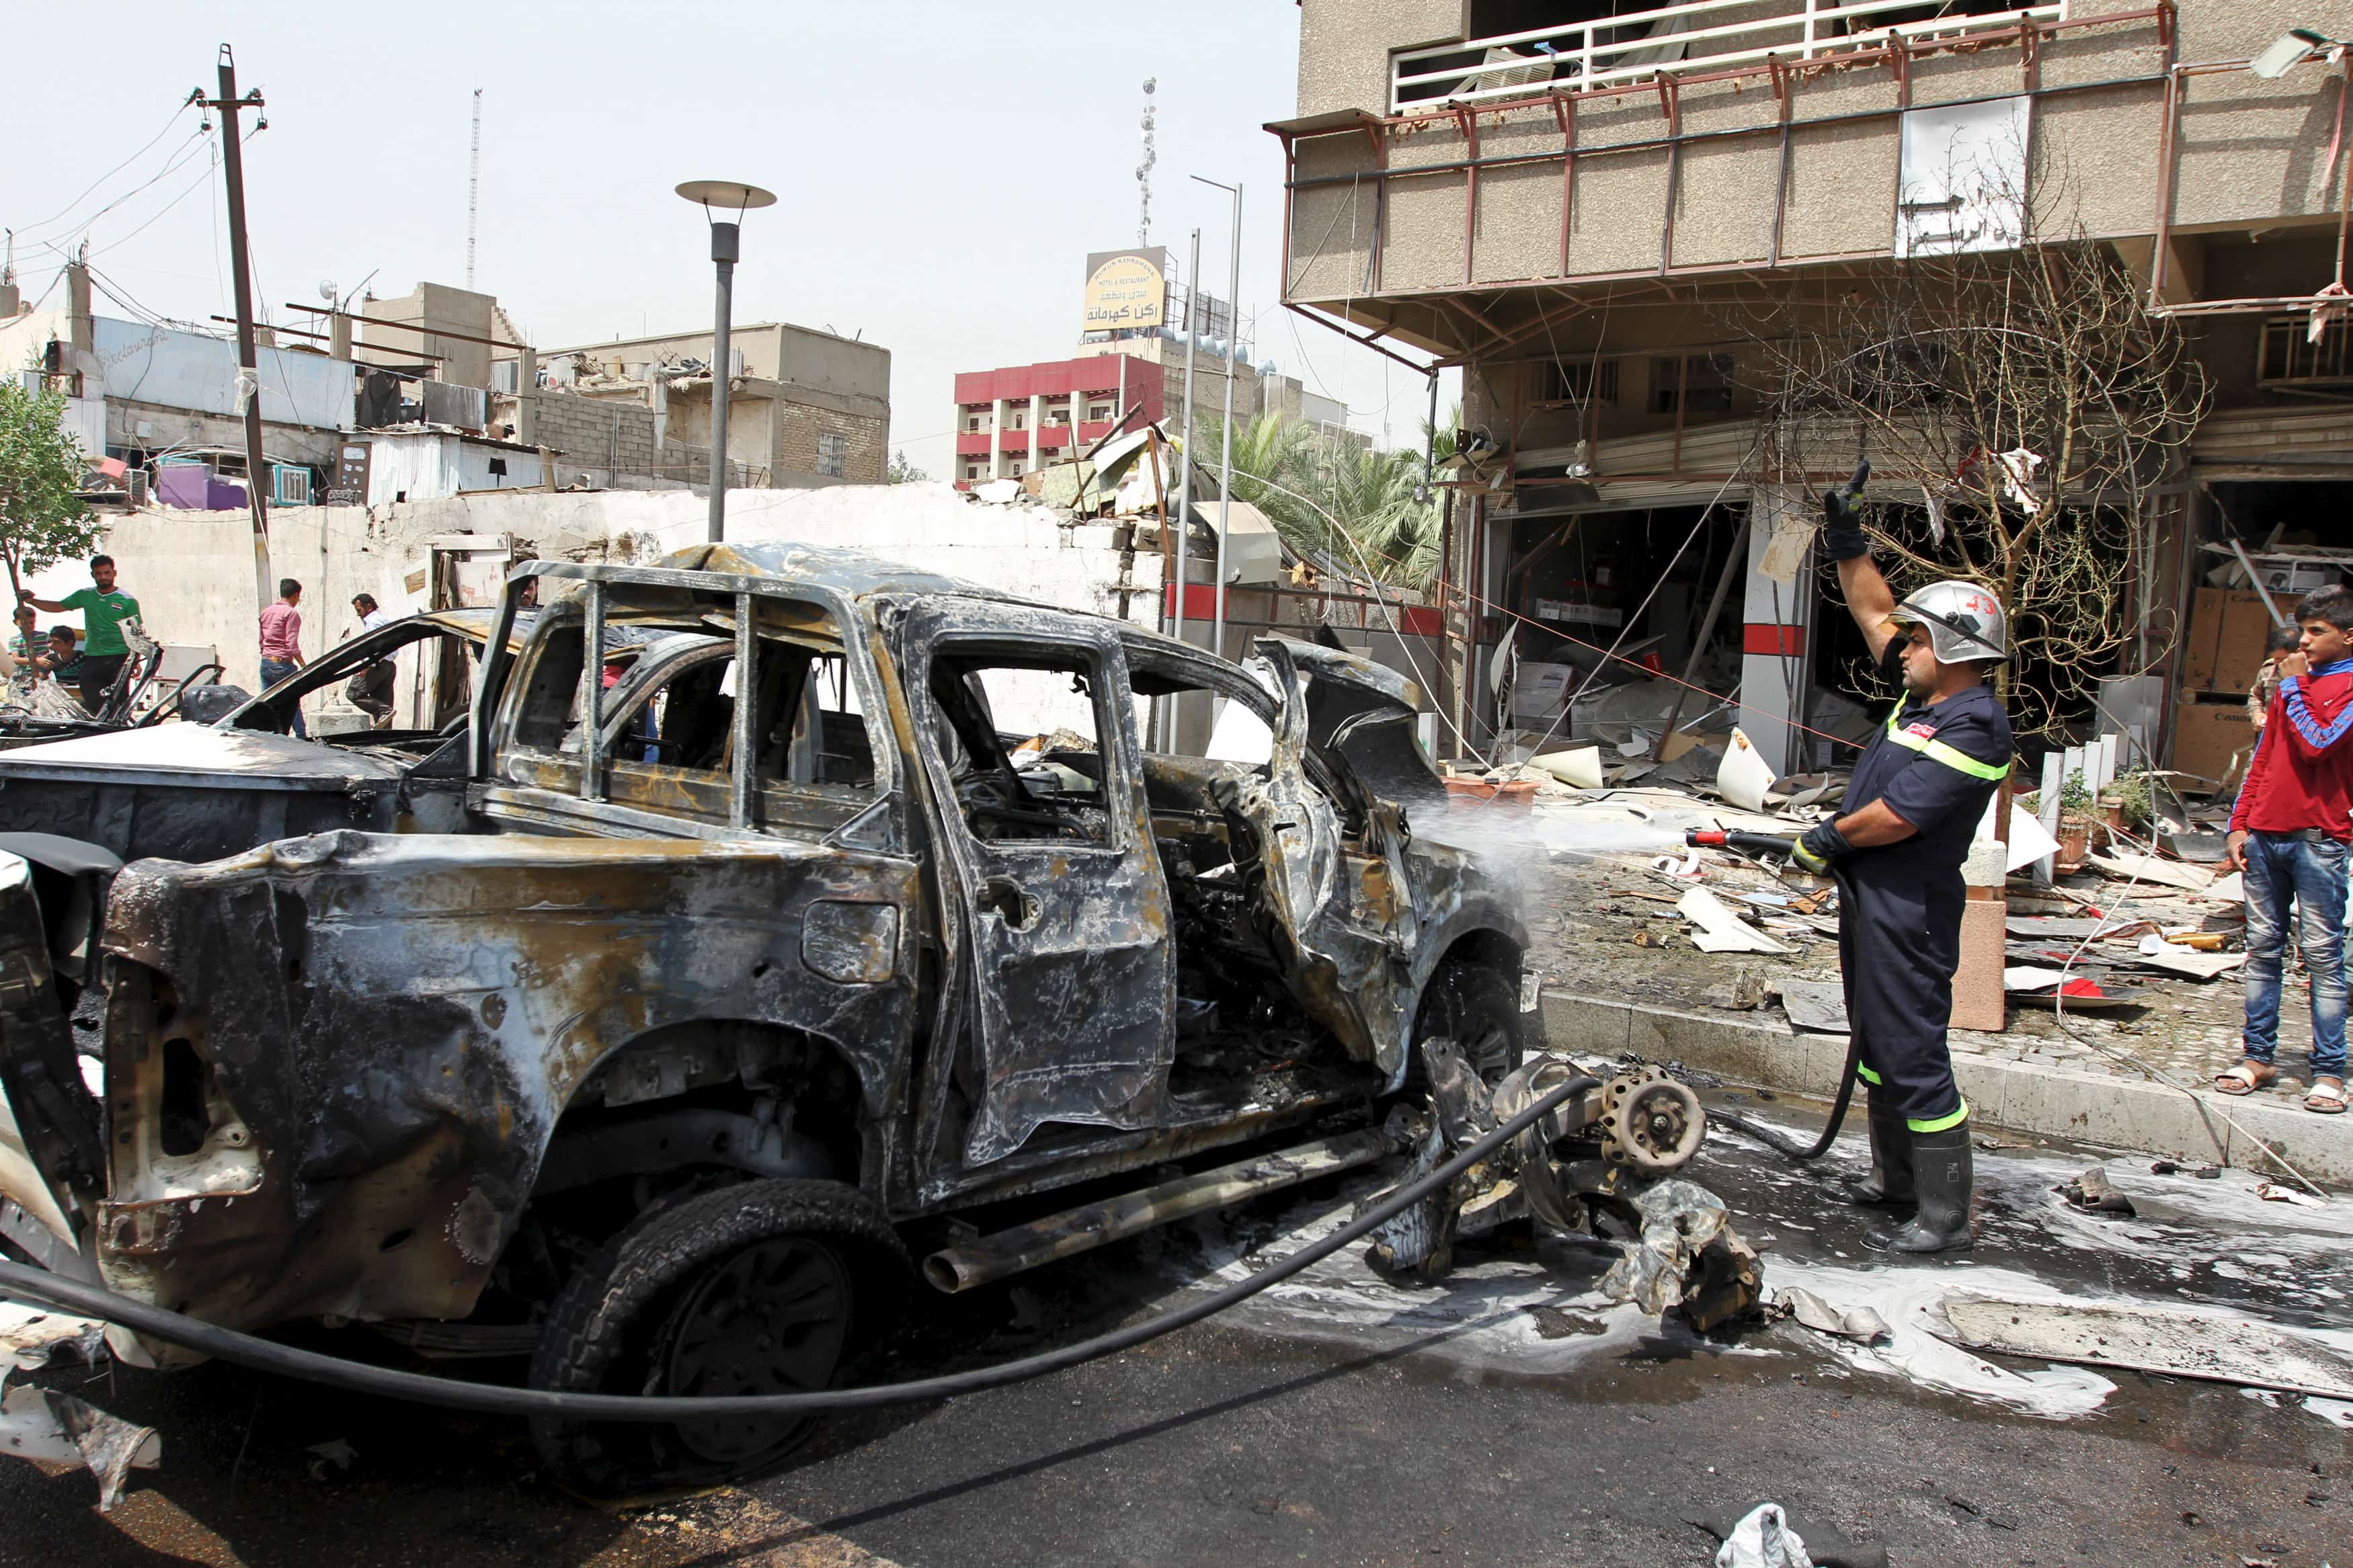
(2020, 1097)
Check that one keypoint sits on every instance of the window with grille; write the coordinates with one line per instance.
(832, 455)
(1698, 384)
(1574, 382)
(2290, 360)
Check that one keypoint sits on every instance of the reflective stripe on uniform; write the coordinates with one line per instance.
(1865, 1074)
(1937, 751)
(1939, 1123)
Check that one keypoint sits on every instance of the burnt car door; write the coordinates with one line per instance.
(1332, 867)
(1026, 725)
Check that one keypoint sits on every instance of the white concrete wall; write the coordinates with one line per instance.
(193, 573)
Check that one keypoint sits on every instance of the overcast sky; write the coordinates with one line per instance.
(942, 169)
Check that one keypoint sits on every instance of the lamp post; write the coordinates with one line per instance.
(725, 235)
(1233, 367)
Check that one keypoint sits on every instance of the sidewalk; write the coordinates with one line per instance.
(2036, 1085)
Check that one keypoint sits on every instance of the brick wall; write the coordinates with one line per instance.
(798, 424)
(596, 432)
(612, 434)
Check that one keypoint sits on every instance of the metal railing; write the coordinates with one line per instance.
(1671, 40)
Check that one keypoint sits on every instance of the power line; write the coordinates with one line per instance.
(110, 172)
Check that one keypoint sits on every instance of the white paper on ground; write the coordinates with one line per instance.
(2028, 841)
(2031, 977)
(1721, 931)
(1744, 776)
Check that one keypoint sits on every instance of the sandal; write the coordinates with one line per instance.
(2325, 1096)
(2246, 1077)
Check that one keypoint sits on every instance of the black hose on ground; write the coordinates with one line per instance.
(1780, 1143)
(20, 1282)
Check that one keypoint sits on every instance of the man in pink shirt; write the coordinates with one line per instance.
(281, 643)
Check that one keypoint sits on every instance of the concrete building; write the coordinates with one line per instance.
(805, 408)
(149, 394)
(1578, 203)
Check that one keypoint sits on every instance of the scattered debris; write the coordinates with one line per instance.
(1721, 931)
(40, 1425)
(1763, 1540)
(1818, 1005)
(2274, 1192)
(2176, 1344)
(1861, 1324)
(2093, 1193)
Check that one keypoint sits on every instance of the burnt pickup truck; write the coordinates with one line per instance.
(634, 1023)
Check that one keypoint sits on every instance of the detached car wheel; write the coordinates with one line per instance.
(764, 1288)
(1477, 1007)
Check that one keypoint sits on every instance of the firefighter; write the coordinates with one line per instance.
(1914, 805)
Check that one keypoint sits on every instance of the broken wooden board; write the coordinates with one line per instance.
(2125, 863)
(1721, 931)
(2174, 1344)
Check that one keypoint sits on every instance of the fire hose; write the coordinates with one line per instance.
(1783, 846)
(23, 1283)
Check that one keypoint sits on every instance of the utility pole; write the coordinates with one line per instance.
(248, 379)
(1233, 373)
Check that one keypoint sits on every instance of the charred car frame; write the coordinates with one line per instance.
(634, 1021)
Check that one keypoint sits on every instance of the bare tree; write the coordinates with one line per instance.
(2033, 404)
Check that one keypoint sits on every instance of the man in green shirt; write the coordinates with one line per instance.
(104, 607)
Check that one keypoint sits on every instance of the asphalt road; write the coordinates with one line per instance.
(1507, 1419)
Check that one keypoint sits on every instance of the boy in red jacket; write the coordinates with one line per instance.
(2289, 833)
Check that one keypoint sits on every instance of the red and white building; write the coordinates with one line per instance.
(1017, 419)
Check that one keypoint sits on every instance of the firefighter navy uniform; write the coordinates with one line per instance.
(1935, 765)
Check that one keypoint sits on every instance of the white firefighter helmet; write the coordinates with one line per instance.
(1964, 620)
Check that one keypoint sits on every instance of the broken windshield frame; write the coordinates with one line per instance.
(751, 608)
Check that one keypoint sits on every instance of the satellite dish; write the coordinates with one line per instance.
(727, 193)
(327, 290)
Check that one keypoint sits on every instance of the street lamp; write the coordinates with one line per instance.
(725, 247)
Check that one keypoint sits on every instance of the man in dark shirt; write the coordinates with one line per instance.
(1915, 801)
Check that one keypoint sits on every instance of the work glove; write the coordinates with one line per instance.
(1842, 536)
(1822, 843)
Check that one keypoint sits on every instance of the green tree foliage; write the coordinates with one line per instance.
(43, 520)
(1332, 499)
(903, 472)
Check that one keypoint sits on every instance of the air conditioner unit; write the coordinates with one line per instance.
(506, 376)
(734, 361)
(289, 486)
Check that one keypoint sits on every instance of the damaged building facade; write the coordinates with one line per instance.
(1584, 207)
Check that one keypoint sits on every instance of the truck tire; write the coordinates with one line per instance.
(1477, 1007)
(767, 1286)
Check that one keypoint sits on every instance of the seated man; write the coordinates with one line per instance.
(63, 661)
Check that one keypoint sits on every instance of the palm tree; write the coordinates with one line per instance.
(1333, 500)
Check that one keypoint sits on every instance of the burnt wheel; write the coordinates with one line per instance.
(764, 1287)
(1477, 1007)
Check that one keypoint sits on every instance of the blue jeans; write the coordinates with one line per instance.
(2285, 867)
(274, 670)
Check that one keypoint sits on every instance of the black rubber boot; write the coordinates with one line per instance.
(1889, 1185)
(1942, 1176)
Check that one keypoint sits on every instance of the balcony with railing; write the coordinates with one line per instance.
(1512, 181)
(1699, 36)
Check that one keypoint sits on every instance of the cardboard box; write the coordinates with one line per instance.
(1539, 692)
(2208, 737)
(2226, 641)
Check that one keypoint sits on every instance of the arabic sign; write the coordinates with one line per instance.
(1126, 289)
